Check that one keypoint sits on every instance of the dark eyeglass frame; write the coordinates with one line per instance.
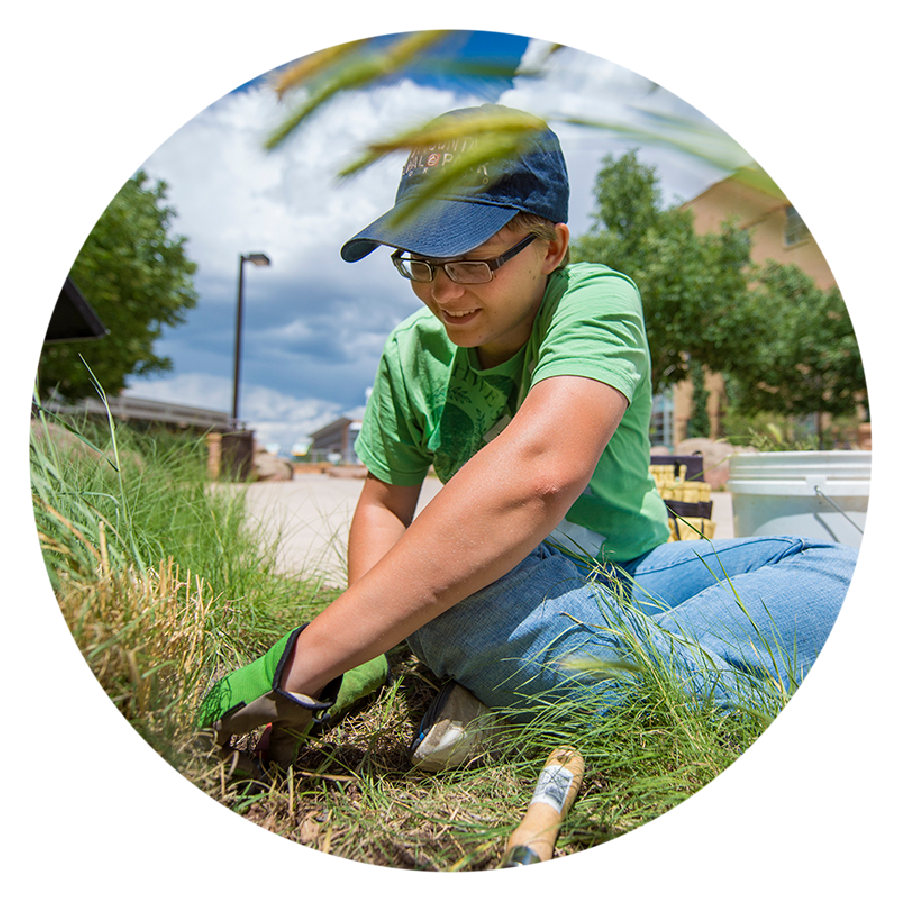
(489, 266)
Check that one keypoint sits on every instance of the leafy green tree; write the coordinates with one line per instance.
(629, 202)
(136, 275)
(784, 345)
(694, 287)
(698, 425)
(809, 359)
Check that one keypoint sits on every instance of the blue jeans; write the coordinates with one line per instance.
(723, 616)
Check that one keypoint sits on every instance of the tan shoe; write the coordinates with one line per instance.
(456, 729)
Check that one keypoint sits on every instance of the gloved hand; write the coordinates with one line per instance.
(283, 741)
(251, 697)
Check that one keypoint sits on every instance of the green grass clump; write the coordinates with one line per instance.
(166, 586)
(352, 793)
(161, 580)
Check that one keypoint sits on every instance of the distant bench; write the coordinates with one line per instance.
(679, 480)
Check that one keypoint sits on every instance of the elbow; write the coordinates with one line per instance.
(557, 487)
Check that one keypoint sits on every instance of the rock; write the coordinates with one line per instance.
(272, 468)
(64, 439)
(70, 444)
(716, 455)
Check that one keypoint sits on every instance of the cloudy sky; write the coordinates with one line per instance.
(314, 325)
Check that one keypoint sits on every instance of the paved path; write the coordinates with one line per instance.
(311, 517)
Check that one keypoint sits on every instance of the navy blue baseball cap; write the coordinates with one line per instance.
(452, 223)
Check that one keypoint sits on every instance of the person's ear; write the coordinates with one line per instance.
(557, 249)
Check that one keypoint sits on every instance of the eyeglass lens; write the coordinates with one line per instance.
(463, 272)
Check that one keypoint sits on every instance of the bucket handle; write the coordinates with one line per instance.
(827, 499)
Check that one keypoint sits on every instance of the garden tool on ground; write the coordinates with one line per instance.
(560, 780)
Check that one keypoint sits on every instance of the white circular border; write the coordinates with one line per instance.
(94, 88)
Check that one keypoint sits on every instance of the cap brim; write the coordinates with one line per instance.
(443, 228)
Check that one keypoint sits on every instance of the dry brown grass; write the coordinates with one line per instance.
(352, 792)
(145, 639)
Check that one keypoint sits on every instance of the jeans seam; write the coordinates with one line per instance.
(715, 554)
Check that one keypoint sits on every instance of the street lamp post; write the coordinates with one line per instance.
(258, 259)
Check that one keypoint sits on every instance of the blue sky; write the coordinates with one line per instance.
(314, 325)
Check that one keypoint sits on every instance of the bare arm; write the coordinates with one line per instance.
(490, 515)
(383, 514)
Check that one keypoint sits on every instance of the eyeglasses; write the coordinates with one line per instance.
(462, 271)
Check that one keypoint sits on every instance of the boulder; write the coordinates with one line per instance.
(716, 455)
(70, 444)
(271, 468)
(65, 440)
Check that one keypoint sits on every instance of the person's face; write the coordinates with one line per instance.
(495, 317)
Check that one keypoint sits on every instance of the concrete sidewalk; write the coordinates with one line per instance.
(310, 516)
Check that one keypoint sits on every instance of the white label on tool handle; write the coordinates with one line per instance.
(553, 786)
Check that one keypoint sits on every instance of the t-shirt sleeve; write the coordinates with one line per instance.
(594, 327)
(390, 443)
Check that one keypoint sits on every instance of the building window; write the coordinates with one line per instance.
(795, 229)
(662, 419)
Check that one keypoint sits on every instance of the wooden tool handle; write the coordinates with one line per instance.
(559, 782)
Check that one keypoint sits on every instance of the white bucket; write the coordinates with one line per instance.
(815, 494)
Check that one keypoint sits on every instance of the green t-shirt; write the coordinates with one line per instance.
(433, 405)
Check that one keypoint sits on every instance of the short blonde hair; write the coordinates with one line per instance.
(543, 228)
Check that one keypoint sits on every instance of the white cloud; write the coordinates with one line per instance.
(279, 418)
(231, 193)
(195, 389)
(578, 84)
(311, 310)
(232, 197)
(275, 416)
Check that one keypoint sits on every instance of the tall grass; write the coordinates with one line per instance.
(165, 586)
(352, 793)
(161, 580)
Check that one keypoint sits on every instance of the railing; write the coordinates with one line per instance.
(124, 408)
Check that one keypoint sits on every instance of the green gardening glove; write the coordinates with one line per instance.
(251, 697)
(282, 742)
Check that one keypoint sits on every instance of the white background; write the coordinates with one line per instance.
(92, 88)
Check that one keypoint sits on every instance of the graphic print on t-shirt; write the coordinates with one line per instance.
(478, 406)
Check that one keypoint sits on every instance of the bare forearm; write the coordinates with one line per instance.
(383, 514)
(490, 515)
(434, 565)
(475, 531)
(373, 532)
